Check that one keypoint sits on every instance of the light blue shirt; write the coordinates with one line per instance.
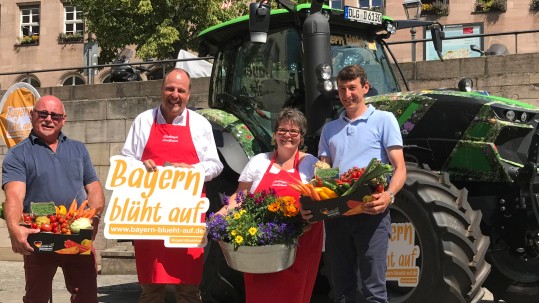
(354, 143)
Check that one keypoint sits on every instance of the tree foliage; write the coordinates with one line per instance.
(158, 28)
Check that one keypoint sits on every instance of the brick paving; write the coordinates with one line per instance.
(111, 288)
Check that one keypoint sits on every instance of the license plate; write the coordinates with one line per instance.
(362, 15)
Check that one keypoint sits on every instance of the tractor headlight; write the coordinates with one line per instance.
(328, 86)
(390, 28)
(510, 115)
(326, 71)
(524, 117)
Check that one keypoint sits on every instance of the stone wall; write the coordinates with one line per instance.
(513, 76)
(100, 115)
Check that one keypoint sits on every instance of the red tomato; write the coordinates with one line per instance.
(33, 225)
(63, 225)
(61, 220)
(27, 218)
(54, 225)
(64, 230)
(52, 218)
(46, 227)
(380, 188)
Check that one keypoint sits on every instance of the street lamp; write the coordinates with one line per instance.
(412, 8)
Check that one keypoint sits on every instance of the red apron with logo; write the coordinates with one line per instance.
(155, 262)
(294, 284)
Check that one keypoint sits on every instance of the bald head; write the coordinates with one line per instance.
(177, 73)
(45, 101)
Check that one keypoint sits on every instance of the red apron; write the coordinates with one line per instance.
(155, 262)
(294, 284)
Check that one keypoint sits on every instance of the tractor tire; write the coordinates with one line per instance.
(513, 278)
(452, 266)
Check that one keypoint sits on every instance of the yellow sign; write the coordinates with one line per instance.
(165, 204)
(15, 107)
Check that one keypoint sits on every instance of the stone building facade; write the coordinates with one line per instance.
(52, 18)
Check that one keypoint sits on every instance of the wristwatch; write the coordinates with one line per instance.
(391, 196)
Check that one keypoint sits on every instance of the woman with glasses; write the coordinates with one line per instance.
(276, 170)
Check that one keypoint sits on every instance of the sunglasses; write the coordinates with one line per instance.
(292, 132)
(43, 114)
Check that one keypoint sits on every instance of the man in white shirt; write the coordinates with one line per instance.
(174, 134)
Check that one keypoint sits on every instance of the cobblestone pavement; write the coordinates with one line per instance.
(111, 288)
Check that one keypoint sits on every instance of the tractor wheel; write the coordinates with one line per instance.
(513, 278)
(452, 266)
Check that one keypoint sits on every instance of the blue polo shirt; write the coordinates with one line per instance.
(354, 143)
(49, 176)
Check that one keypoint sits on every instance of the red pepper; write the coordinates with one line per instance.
(318, 181)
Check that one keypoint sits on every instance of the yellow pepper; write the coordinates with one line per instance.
(63, 210)
(321, 193)
(329, 192)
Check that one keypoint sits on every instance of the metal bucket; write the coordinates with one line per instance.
(259, 259)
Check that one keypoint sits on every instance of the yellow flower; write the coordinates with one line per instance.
(288, 199)
(291, 210)
(242, 211)
(237, 216)
(234, 232)
(239, 239)
(252, 231)
(273, 207)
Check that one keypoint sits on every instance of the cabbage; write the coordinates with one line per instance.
(81, 223)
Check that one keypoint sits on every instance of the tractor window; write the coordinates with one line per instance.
(266, 75)
(348, 50)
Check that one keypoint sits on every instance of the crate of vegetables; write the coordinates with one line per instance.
(330, 195)
(62, 231)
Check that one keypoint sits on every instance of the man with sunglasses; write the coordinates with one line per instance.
(175, 134)
(48, 166)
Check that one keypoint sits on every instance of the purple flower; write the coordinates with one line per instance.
(216, 226)
(224, 199)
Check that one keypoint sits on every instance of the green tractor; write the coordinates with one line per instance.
(468, 214)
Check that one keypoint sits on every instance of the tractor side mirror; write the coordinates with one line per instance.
(437, 33)
(259, 18)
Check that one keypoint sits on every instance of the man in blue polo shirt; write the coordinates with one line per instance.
(357, 245)
(48, 166)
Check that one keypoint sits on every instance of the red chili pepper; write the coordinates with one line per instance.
(318, 181)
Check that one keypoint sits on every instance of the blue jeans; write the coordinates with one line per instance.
(356, 249)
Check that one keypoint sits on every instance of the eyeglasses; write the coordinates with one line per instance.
(43, 114)
(292, 132)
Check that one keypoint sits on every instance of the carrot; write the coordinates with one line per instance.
(80, 211)
(296, 188)
(306, 190)
(314, 194)
(73, 207)
(89, 213)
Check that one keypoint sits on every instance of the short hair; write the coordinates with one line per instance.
(353, 72)
(177, 69)
(293, 115)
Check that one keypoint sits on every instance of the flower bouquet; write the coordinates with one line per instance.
(330, 195)
(260, 235)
